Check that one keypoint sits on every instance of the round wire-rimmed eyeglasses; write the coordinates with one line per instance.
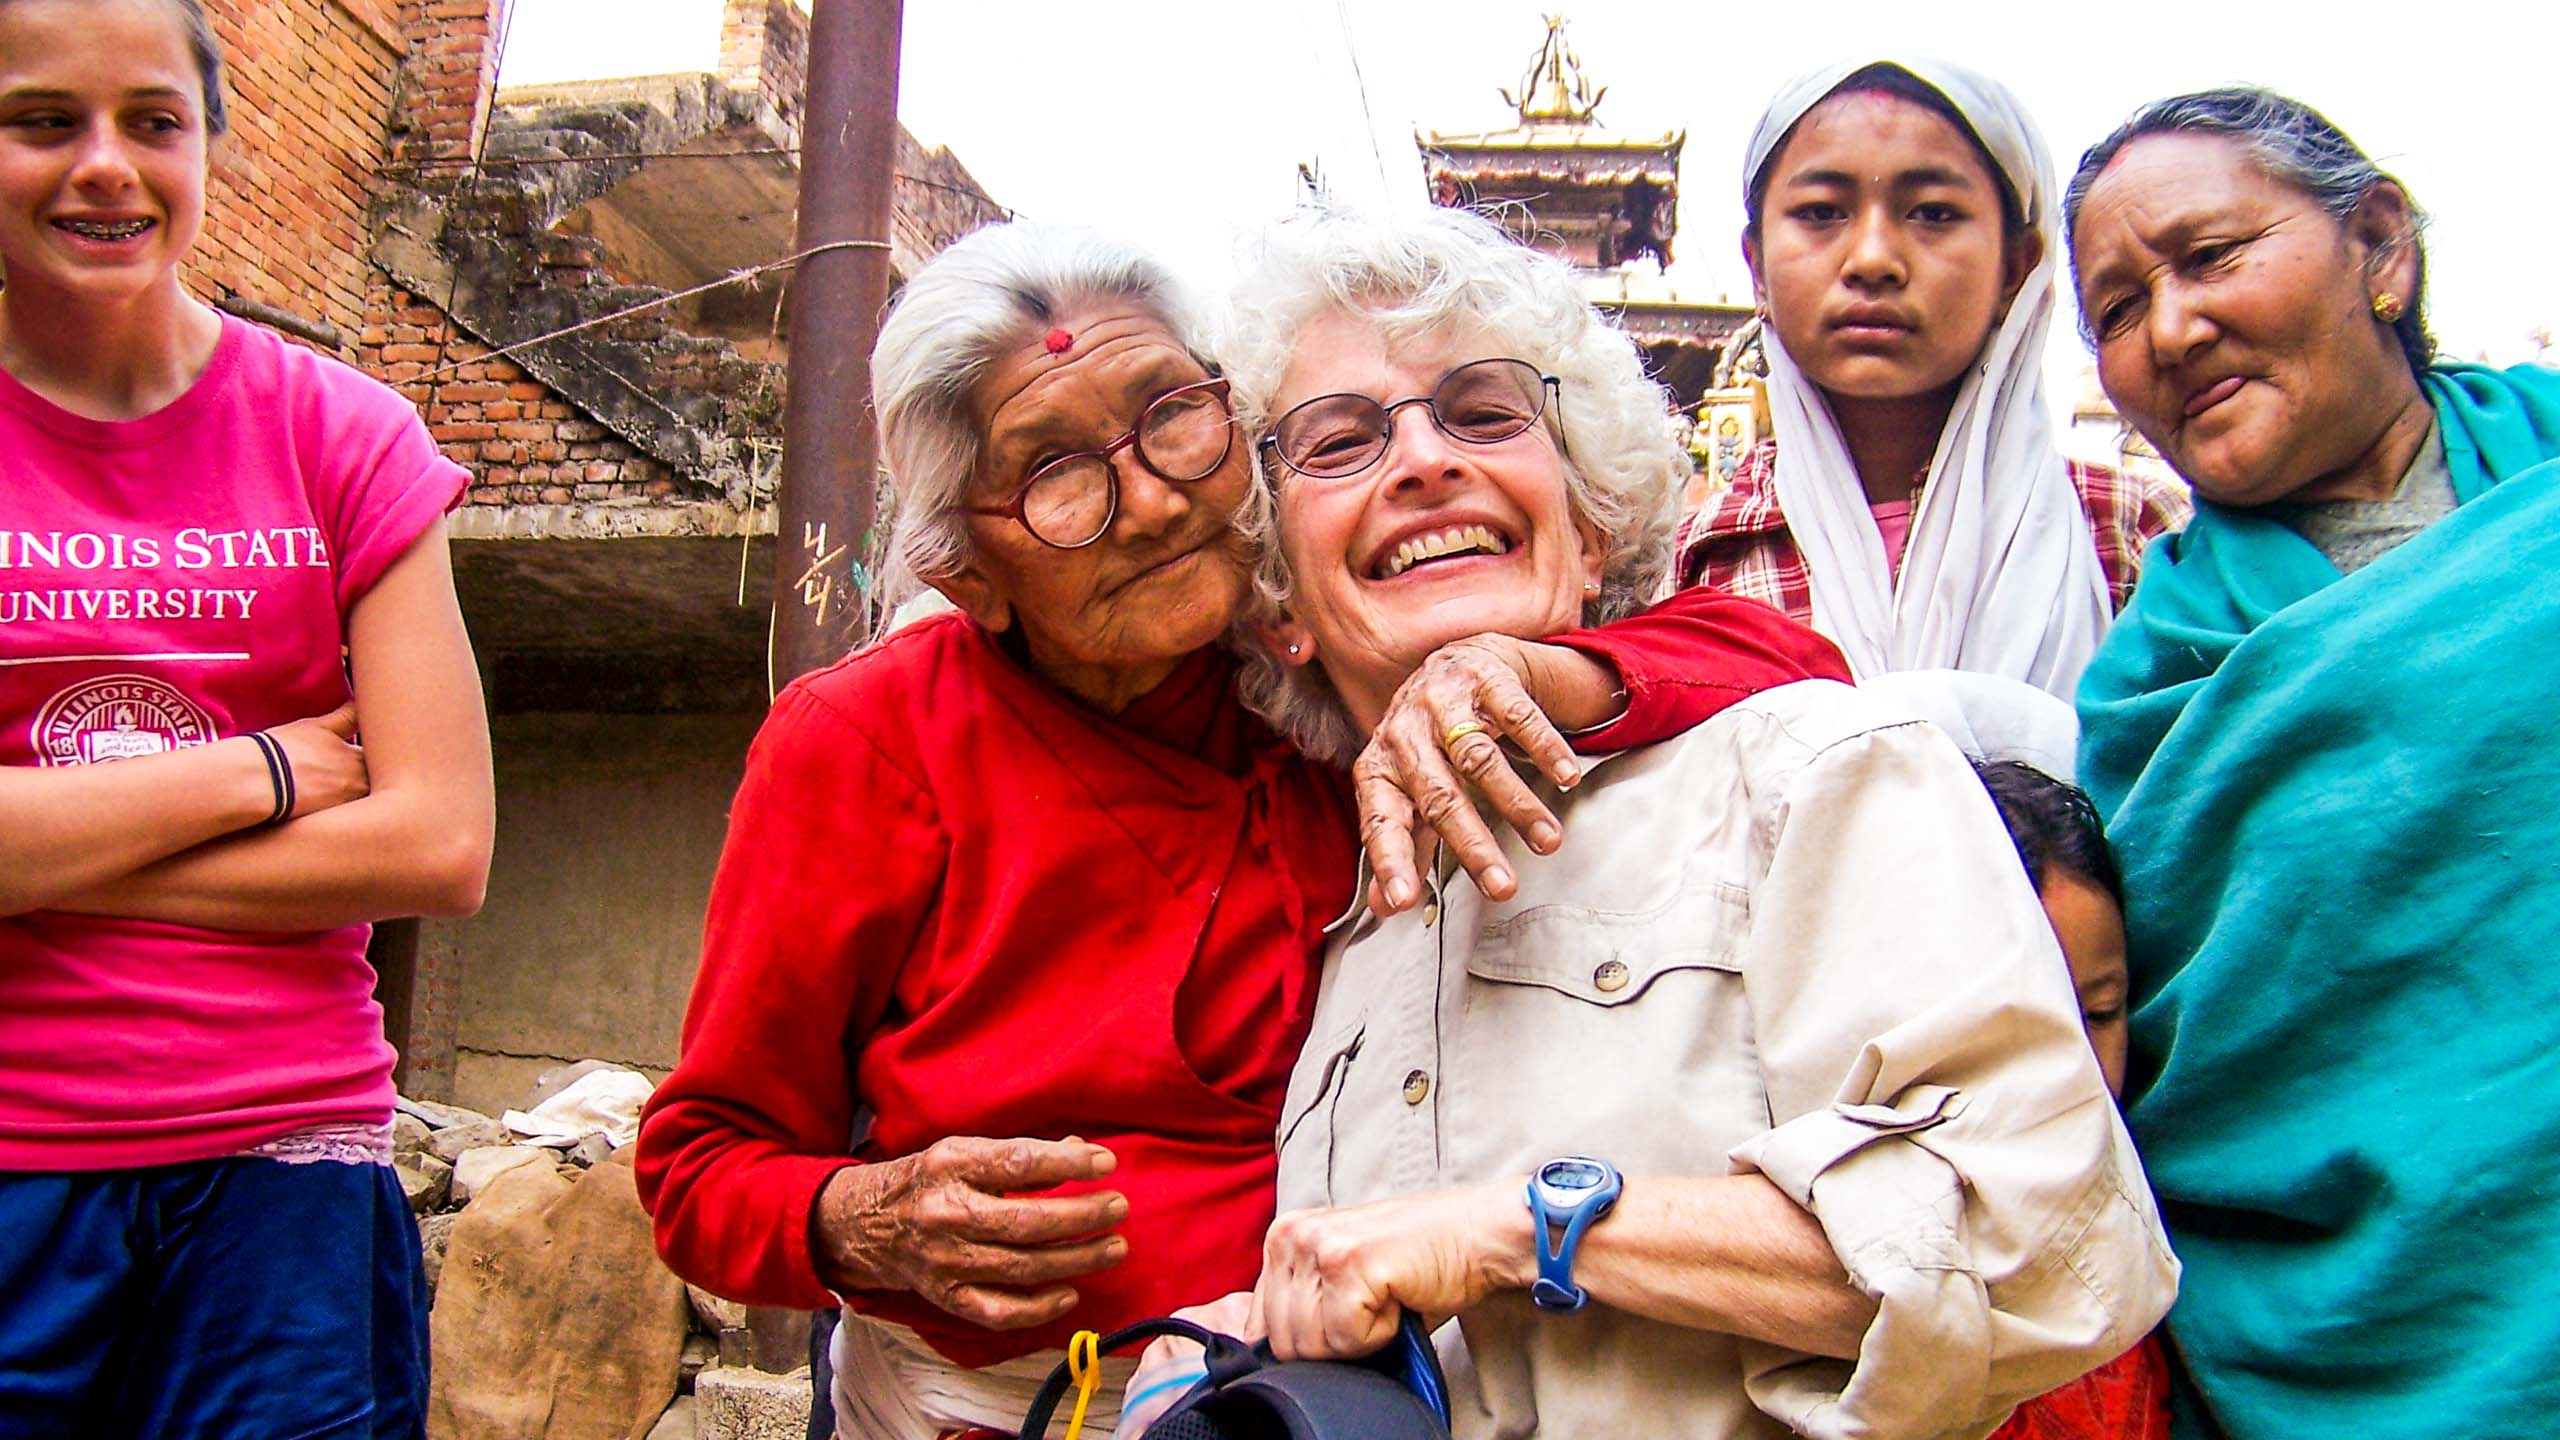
(1182, 436)
(1483, 402)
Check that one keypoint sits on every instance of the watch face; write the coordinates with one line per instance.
(1573, 1175)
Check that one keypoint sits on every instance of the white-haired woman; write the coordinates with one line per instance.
(1778, 1042)
(1027, 886)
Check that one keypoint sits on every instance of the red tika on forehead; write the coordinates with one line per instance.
(1057, 342)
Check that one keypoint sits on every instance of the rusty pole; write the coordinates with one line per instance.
(830, 443)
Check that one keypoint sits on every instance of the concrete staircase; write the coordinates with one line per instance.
(490, 237)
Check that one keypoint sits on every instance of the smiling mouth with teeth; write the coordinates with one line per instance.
(1441, 545)
(105, 229)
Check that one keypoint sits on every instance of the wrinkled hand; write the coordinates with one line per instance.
(1335, 1282)
(1409, 785)
(1174, 1359)
(962, 1225)
(328, 762)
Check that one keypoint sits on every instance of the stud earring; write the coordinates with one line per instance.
(1293, 649)
(1590, 587)
(2388, 308)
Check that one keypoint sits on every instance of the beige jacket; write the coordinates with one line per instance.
(1795, 940)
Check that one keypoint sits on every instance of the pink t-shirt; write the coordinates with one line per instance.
(1893, 521)
(166, 582)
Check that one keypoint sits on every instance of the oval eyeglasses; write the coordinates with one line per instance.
(1483, 402)
(1182, 436)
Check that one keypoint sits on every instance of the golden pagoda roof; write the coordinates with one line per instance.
(1556, 106)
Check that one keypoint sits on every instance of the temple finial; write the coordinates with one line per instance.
(1555, 90)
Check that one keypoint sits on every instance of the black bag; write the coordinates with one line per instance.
(1396, 1394)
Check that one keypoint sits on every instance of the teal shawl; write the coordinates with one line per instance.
(2337, 804)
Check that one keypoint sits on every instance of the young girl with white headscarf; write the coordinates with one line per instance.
(1912, 505)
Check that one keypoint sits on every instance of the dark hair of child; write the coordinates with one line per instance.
(2051, 822)
(1901, 84)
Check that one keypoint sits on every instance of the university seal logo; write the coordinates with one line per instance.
(116, 717)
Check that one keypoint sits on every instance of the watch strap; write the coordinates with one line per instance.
(1554, 1288)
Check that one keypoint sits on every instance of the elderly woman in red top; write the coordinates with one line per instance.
(1012, 945)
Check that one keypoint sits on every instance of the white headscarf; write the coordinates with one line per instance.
(1999, 577)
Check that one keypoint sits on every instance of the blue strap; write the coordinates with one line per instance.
(1185, 1377)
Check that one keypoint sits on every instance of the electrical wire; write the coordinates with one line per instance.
(734, 277)
(1342, 11)
(416, 167)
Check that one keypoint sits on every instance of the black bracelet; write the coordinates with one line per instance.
(279, 775)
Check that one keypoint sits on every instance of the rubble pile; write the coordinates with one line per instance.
(553, 1317)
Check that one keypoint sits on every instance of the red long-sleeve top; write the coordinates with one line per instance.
(957, 900)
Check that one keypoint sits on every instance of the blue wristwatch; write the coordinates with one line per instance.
(1566, 1197)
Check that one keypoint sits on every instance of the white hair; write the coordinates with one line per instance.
(943, 331)
(1413, 274)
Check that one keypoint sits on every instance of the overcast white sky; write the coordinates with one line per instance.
(1182, 122)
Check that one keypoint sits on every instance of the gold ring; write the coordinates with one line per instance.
(1460, 731)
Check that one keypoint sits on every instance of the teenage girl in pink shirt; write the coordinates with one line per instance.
(220, 554)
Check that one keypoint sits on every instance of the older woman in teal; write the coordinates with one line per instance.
(2321, 736)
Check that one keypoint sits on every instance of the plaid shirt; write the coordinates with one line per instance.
(1739, 541)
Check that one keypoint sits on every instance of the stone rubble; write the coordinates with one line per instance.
(743, 1404)
(474, 1168)
(680, 1422)
(448, 1156)
(426, 1180)
(448, 1145)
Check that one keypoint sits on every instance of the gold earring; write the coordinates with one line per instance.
(2388, 308)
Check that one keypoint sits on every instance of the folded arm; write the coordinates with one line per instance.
(758, 1116)
(745, 1155)
(1937, 1110)
(1728, 1253)
(73, 828)
(417, 843)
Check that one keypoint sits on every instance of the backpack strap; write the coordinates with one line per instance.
(1228, 1357)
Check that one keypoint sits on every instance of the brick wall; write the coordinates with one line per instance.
(338, 103)
(764, 46)
(453, 74)
(522, 443)
(321, 92)
(311, 86)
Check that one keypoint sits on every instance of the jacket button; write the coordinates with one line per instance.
(1610, 977)
(1430, 913)
(1417, 1088)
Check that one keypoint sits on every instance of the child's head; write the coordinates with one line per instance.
(2065, 849)
(107, 108)
(1885, 242)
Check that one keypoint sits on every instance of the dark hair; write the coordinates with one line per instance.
(2052, 822)
(1886, 78)
(2291, 142)
(207, 53)
(208, 57)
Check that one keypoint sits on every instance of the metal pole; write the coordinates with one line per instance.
(830, 443)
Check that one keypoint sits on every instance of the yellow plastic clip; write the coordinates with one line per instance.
(1084, 1364)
